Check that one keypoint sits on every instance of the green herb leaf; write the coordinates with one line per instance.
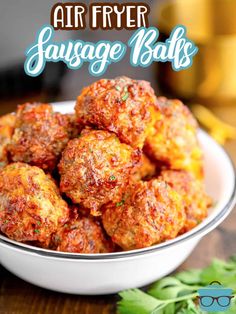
(189, 308)
(165, 288)
(112, 178)
(36, 231)
(136, 301)
(190, 277)
(118, 88)
(169, 309)
(120, 203)
(125, 96)
(177, 294)
(223, 271)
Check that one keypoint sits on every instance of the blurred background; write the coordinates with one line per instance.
(211, 81)
(19, 22)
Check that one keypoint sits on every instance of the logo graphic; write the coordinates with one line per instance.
(215, 297)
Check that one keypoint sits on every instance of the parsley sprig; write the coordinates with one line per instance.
(177, 294)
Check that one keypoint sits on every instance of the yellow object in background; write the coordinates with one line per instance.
(218, 129)
(211, 24)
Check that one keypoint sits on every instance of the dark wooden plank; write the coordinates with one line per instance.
(18, 296)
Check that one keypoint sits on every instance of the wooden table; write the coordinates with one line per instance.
(19, 297)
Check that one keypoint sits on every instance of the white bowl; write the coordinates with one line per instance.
(94, 274)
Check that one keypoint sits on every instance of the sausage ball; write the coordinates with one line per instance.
(196, 201)
(82, 235)
(31, 208)
(120, 105)
(151, 214)
(173, 140)
(40, 136)
(95, 169)
(7, 124)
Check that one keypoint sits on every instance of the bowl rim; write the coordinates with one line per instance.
(194, 233)
(133, 253)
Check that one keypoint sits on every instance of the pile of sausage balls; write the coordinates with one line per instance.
(124, 172)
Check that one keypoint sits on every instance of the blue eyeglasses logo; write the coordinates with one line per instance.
(215, 297)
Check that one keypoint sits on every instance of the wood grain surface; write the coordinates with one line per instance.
(19, 297)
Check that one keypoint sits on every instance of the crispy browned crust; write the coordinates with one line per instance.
(31, 208)
(125, 156)
(82, 235)
(196, 201)
(152, 213)
(7, 124)
(40, 135)
(120, 105)
(95, 169)
(173, 140)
